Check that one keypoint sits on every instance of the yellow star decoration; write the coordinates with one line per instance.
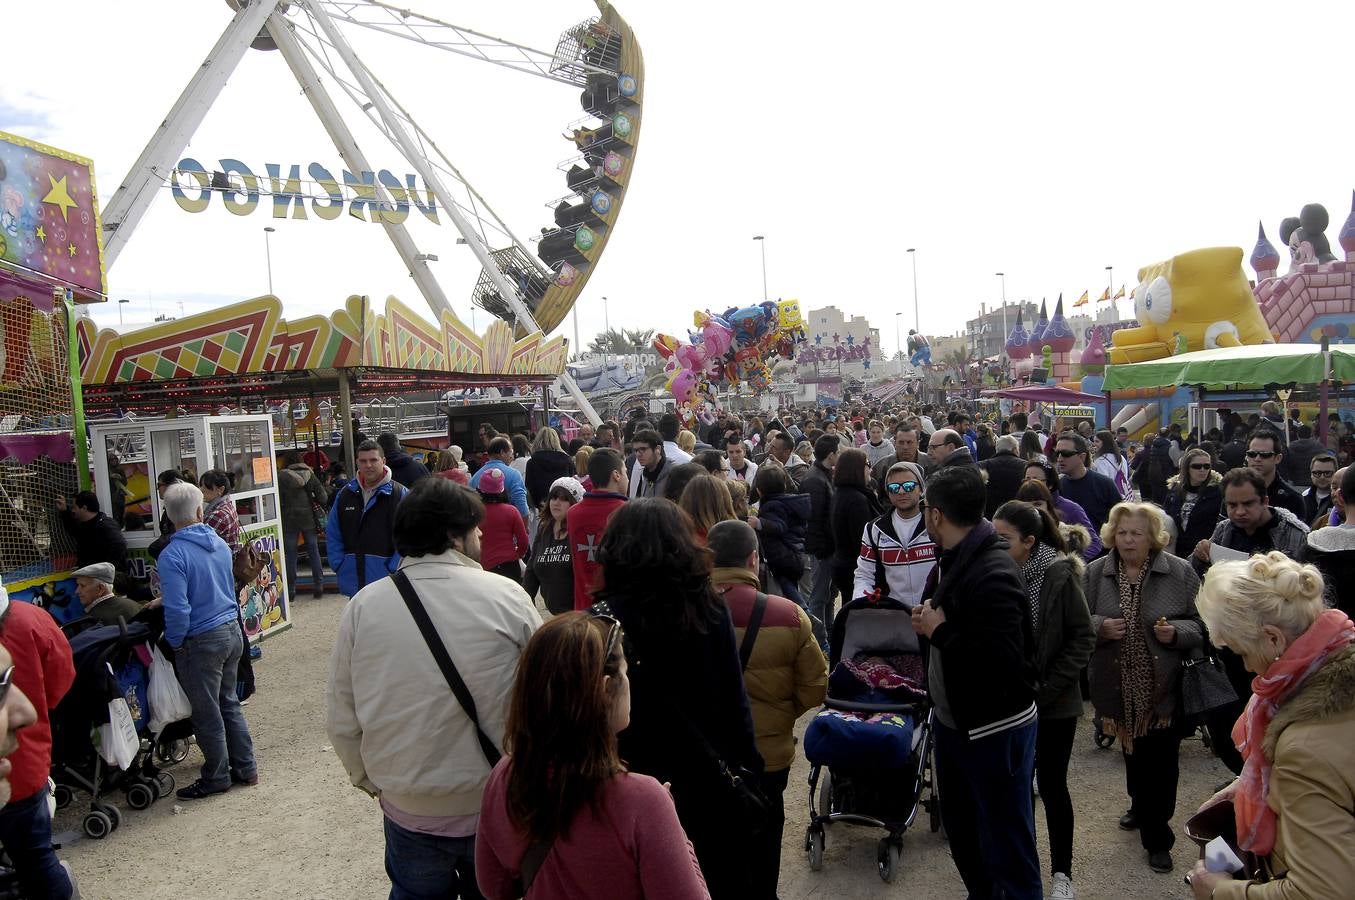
(70, 248)
(41, 234)
(59, 196)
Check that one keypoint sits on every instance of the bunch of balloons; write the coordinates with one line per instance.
(732, 348)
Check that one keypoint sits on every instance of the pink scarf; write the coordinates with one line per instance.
(1332, 631)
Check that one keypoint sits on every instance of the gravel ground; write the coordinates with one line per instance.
(305, 833)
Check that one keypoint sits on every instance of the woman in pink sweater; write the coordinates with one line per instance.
(561, 815)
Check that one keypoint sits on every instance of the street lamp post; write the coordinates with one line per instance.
(763, 241)
(606, 336)
(268, 254)
(917, 317)
(1110, 292)
(121, 303)
(898, 341)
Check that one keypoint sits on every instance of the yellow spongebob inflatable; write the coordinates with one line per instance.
(1196, 301)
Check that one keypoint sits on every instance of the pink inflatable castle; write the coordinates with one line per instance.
(1316, 297)
(1059, 338)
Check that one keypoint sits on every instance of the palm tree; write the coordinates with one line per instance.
(639, 339)
(609, 341)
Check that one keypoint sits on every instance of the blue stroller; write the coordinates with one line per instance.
(869, 748)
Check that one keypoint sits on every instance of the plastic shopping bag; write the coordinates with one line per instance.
(118, 743)
(165, 695)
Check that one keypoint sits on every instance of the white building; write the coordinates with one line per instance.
(839, 342)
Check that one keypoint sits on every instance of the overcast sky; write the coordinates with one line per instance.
(1045, 140)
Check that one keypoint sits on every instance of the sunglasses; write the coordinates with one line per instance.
(901, 487)
(1067, 453)
(1261, 454)
(1201, 467)
(1317, 474)
(6, 681)
(613, 635)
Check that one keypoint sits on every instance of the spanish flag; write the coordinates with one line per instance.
(1105, 295)
(1082, 301)
(1119, 295)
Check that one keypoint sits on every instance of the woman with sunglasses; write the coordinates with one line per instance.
(561, 815)
(1194, 500)
(1061, 508)
(897, 543)
(689, 712)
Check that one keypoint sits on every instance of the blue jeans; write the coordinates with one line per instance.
(207, 665)
(820, 606)
(988, 811)
(429, 867)
(312, 552)
(26, 835)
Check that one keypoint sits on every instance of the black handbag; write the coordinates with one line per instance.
(1204, 686)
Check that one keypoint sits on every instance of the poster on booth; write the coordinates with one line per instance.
(264, 601)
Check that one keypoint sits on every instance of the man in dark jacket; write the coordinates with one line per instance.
(1005, 471)
(405, 469)
(300, 493)
(97, 537)
(1332, 550)
(978, 622)
(818, 484)
(359, 533)
(1318, 499)
(1299, 455)
(946, 448)
(1265, 457)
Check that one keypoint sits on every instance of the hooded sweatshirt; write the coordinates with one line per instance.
(196, 583)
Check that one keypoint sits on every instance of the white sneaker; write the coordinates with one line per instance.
(75, 888)
(1061, 888)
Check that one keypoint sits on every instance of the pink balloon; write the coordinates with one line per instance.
(683, 386)
(692, 356)
(718, 336)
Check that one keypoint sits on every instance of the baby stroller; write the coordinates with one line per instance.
(111, 661)
(869, 748)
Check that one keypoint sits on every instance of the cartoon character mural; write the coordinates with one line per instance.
(1304, 235)
(1315, 299)
(1203, 296)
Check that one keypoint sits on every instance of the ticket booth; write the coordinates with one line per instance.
(127, 456)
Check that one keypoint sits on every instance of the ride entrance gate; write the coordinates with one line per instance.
(128, 455)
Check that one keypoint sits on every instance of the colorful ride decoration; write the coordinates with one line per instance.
(252, 337)
(738, 347)
(49, 216)
(1201, 297)
(602, 56)
(1315, 299)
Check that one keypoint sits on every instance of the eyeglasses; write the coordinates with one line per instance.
(1201, 467)
(6, 681)
(643, 448)
(1067, 453)
(1262, 454)
(1317, 474)
(901, 487)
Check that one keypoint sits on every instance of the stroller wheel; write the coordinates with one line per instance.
(63, 796)
(816, 840)
(173, 752)
(1102, 740)
(141, 794)
(164, 783)
(112, 812)
(97, 824)
(888, 859)
(826, 792)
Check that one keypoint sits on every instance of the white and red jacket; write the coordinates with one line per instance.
(903, 549)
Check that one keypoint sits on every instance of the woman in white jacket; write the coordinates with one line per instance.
(1110, 461)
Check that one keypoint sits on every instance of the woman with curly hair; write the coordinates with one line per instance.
(561, 815)
(689, 712)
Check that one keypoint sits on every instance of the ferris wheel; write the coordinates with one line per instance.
(531, 284)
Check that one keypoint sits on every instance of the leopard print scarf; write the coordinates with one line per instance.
(1137, 678)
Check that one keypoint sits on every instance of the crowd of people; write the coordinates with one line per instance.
(638, 743)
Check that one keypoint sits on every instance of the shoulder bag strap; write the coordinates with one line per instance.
(750, 633)
(536, 854)
(444, 660)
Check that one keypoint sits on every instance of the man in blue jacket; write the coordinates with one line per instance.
(197, 586)
(500, 452)
(359, 533)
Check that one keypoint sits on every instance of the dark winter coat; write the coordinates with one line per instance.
(817, 482)
(1332, 550)
(405, 469)
(543, 468)
(98, 540)
(783, 521)
(1204, 517)
(1005, 471)
(298, 490)
(1064, 640)
(853, 509)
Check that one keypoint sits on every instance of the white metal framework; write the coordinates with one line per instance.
(311, 43)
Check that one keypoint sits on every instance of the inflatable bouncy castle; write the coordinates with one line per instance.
(1315, 298)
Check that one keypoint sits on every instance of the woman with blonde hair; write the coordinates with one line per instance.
(1292, 803)
(706, 500)
(581, 457)
(1142, 602)
(561, 815)
(1194, 500)
(686, 442)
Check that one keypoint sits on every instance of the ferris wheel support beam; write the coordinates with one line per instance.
(351, 153)
(162, 153)
(395, 128)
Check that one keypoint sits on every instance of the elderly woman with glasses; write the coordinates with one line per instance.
(1194, 500)
(562, 817)
(1142, 602)
(1292, 803)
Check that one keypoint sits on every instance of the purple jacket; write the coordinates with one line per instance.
(1072, 513)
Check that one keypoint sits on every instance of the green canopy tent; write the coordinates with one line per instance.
(1232, 367)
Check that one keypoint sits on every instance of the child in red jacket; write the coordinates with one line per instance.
(503, 535)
